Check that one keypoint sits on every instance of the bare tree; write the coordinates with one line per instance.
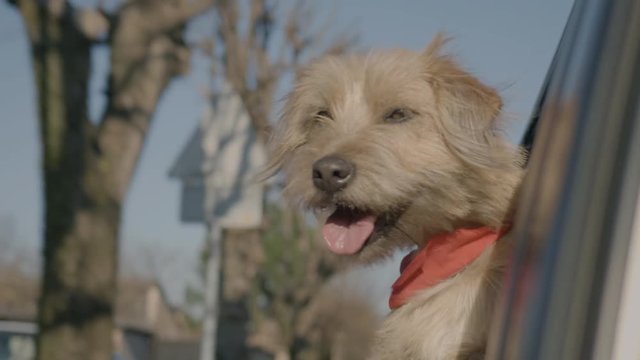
(87, 166)
(257, 42)
(273, 41)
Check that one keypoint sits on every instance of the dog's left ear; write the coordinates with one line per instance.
(468, 110)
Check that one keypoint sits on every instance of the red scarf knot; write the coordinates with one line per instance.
(442, 257)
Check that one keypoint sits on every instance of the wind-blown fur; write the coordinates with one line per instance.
(443, 166)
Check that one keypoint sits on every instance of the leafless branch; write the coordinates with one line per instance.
(93, 23)
(174, 13)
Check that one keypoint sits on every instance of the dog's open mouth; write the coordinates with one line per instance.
(346, 231)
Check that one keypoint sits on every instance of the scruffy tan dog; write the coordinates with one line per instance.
(401, 149)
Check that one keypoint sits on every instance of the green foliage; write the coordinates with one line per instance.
(288, 246)
(294, 270)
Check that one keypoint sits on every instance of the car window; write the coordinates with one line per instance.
(576, 209)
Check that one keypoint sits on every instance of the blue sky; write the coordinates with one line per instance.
(508, 44)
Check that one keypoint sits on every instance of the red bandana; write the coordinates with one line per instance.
(444, 256)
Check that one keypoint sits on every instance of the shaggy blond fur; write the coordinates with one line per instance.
(443, 166)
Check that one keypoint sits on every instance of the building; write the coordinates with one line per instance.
(147, 326)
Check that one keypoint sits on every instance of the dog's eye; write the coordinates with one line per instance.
(323, 114)
(397, 116)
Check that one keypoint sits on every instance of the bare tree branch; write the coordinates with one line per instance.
(169, 14)
(243, 57)
(92, 23)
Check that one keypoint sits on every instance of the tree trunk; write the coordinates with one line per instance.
(86, 168)
(241, 260)
(78, 284)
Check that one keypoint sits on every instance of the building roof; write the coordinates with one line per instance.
(140, 305)
(189, 161)
(223, 140)
(218, 167)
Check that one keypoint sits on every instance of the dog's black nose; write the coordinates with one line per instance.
(332, 173)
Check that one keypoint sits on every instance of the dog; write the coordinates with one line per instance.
(398, 149)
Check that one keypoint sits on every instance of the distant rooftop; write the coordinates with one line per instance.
(140, 305)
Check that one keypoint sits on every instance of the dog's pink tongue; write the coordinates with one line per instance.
(346, 234)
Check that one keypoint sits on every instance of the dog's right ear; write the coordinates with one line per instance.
(285, 137)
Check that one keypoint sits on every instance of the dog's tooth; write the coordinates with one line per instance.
(322, 213)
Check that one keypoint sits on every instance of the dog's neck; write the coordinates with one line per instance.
(482, 199)
(442, 257)
(492, 200)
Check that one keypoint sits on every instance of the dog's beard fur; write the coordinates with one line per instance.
(443, 167)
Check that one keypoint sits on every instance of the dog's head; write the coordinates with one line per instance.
(392, 147)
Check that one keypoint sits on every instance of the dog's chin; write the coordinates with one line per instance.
(361, 235)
